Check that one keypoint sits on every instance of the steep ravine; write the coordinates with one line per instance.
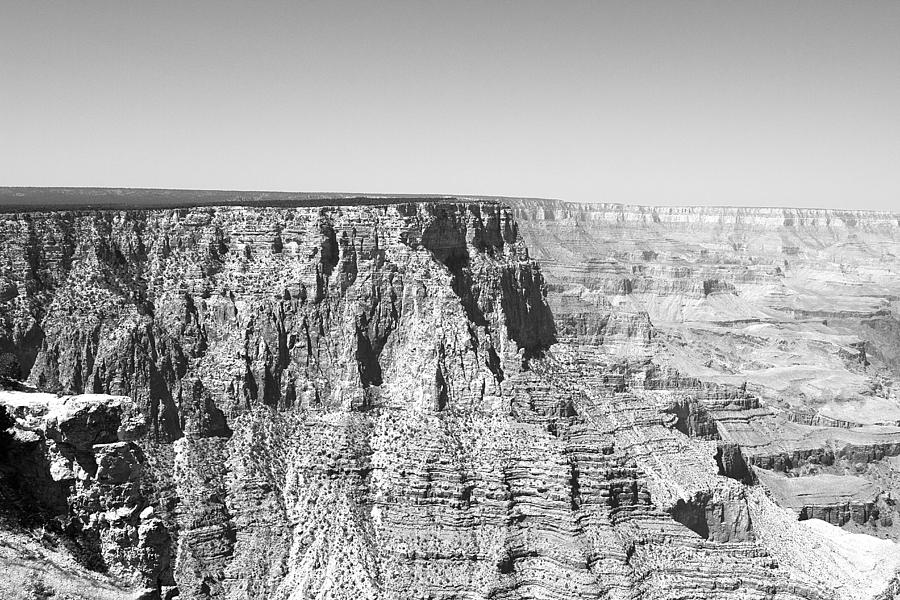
(373, 401)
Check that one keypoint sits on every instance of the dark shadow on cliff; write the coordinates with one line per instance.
(522, 291)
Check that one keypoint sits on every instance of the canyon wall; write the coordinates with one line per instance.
(788, 317)
(456, 398)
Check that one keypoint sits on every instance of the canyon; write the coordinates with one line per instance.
(219, 395)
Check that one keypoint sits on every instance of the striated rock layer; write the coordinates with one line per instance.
(388, 401)
(783, 320)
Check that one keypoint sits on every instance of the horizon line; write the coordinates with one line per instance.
(104, 198)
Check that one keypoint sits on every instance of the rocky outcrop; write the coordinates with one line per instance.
(77, 467)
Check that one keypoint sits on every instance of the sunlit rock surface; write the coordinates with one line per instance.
(455, 398)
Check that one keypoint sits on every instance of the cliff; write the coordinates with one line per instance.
(332, 399)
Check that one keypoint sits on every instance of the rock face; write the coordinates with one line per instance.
(394, 399)
(75, 462)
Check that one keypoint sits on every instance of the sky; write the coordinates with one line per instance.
(762, 103)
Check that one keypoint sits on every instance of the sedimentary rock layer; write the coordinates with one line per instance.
(793, 311)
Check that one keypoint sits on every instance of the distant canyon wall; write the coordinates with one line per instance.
(799, 303)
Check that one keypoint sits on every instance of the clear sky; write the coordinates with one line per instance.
(746, 103)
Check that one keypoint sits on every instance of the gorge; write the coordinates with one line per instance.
(228, 396)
